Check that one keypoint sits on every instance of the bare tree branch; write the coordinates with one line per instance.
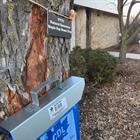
(125, 2)
(129, 39)
(129, 13)
(120, 12)
(135, 19)
(128, 35)
(137, 2)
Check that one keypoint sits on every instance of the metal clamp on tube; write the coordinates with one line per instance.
(35, 91)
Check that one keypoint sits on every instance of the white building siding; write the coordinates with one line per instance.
(105, 29)
(80, 28)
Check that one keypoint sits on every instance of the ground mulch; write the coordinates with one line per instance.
(112, 111)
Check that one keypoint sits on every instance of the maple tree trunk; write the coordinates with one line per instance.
(28, 56)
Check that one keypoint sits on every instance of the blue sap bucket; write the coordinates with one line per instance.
(66, 128)
(54, 116)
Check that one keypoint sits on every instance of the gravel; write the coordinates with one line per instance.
(112, 112)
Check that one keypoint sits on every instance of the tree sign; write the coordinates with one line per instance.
(58, 26)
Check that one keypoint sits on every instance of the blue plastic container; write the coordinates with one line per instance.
(54, 116)
(66, 128)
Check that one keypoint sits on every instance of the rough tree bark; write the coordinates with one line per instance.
(28, 56)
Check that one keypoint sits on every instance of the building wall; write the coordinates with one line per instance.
(95, 29)
(80, 28)
(104, 29)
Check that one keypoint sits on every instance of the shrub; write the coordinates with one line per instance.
(77, 63)
(101, 67)
(94, 65)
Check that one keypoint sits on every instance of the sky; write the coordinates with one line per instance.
(135, 9)
(106, 5)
